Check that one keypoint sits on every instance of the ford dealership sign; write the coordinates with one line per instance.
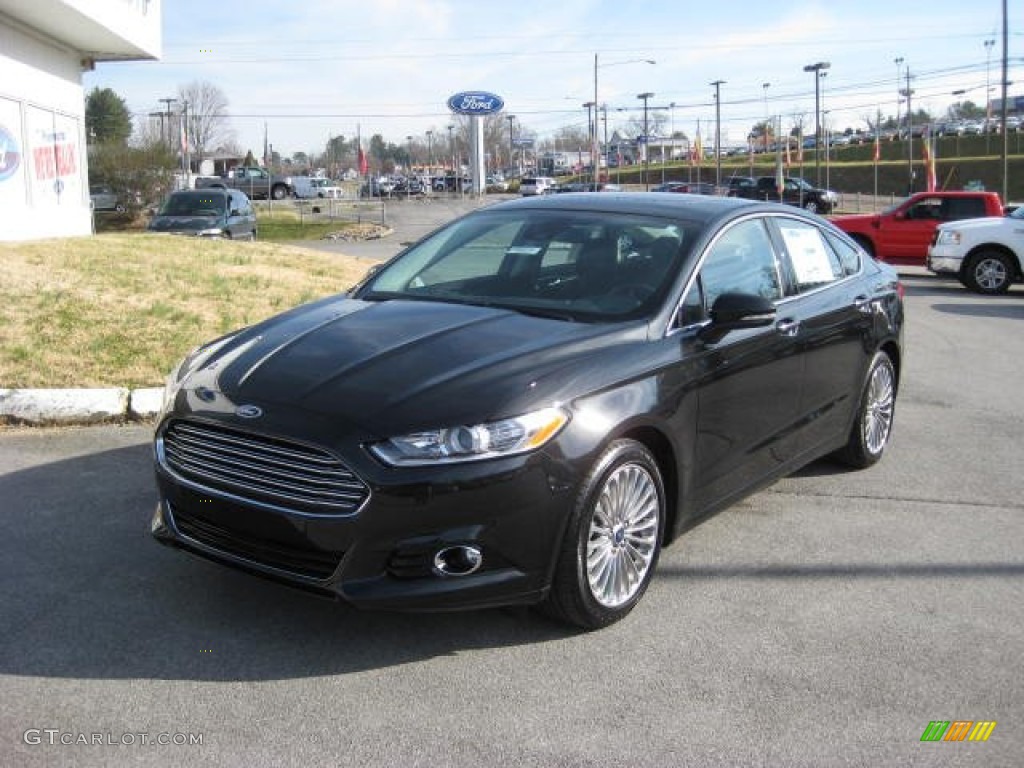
(475, 103)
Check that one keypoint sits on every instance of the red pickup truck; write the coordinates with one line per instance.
(901, 234)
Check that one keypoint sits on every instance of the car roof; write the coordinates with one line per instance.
(694, 207)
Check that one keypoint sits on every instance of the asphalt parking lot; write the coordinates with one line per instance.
(825, 621)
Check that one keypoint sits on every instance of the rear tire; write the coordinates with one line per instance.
(872, 427)
(989, 272)
(613, 539)
(279, 192)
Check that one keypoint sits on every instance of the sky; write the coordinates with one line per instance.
(305, 71)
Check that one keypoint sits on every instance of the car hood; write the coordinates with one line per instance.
(183, 223)
(981, 223)
(397, 366)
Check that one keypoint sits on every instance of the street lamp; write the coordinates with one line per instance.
(718, 131)
(591, 134)
(511, 142)
(451, 146)
(817, 69)
(988, 93)
(167, 105)
(898, 61)
(765, 86)
(594, 148)
(645, 96)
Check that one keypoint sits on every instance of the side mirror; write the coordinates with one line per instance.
(735, 311)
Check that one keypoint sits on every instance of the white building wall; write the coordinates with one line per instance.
(43, 174)
(44, 45)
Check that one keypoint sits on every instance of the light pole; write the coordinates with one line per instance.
(764, 132)
(645, 96)
(591, 133)
(898, 61)
(408, 171)
(511, 142)
(430, 153)
(988, 94)
(718, 131)
(594, 148)
(910, 136)
(167, 108)
(451, 146)
(817, 68)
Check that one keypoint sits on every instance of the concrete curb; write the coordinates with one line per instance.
(78, 406)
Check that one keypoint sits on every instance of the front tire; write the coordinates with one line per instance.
(873, 425)
(279, 192)
(989, 272)
(613, 540)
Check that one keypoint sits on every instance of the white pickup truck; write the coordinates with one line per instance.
(986, 255)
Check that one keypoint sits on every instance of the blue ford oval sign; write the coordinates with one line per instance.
(475, 103)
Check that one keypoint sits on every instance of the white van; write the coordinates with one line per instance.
(535, 185)
(312, 187)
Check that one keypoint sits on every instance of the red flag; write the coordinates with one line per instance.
(364, 166)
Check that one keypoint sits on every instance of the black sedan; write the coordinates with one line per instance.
(527, 404)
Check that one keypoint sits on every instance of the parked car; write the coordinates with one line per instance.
(902, 233)
(225, 213)
(795, 191)
(985, 255)
(313, 187)
(526, 405)
(535, 185)
(104, 198)
(686, 187)
(255, 182)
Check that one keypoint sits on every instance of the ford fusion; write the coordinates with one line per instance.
(525, 406)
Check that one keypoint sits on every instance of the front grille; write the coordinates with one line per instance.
(314, 563)
(263, 469)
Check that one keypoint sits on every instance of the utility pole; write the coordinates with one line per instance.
(718, 131)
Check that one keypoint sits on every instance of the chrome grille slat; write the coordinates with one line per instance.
(265, 444)
(229, 465)
(239, 479)
(214, 450)
(263, 469)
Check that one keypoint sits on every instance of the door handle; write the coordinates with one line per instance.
(788, 327)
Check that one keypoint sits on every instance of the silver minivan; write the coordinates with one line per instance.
(535, 185)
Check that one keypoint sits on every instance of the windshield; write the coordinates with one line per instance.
(592, 267)
(1017, 213)
(198, 203)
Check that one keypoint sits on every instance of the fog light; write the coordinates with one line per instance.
(460, 560)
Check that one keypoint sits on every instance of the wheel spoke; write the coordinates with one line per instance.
(623, 535)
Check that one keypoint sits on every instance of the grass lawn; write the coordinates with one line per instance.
(120, 309)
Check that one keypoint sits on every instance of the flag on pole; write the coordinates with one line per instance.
(800, 146)
(878, 147)
(929, 163)
(698, 148)
(364, 166)
(789, 161)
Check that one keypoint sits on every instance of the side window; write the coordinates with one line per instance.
(929, 208)
(956, 208)
(742, 260)
(849, 257)
(812, 262)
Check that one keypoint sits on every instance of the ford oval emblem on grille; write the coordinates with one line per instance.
(249, 411)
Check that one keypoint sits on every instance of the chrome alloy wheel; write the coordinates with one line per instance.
(990, 274)
(623, 536)
(878, 407)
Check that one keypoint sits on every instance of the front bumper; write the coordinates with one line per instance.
(942, 262)
(381, 555)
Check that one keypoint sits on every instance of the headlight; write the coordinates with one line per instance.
(948, 237)
(472, 443)
(212, 232)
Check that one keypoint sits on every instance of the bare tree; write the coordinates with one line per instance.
(208, 121)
